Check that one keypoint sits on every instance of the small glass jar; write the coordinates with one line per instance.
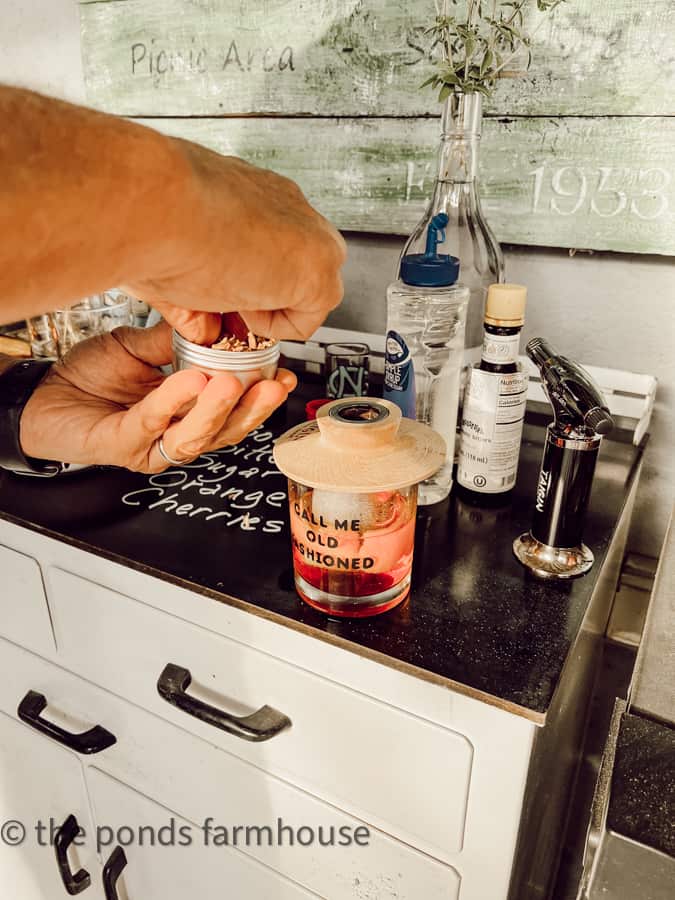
(347, 368)
(352, 553)
(250, 366)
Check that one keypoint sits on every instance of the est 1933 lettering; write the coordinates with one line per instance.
(604, 191)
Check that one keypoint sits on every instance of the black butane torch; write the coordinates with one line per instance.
(553, 548)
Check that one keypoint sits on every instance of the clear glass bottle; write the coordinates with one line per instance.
(426, 315)
(469, 236)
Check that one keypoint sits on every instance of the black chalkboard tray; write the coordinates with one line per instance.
(220, 527)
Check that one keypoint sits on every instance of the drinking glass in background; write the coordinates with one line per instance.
(53, 334)
(93, 315)
(347, 368)
(43, 337)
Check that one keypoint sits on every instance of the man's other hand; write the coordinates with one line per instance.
(107, 403)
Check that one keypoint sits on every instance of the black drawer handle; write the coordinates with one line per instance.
(261, 725)
(93, 741)
(81, 880)
(112, 871)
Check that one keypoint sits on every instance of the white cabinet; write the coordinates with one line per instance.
(24, 614)
(168, 858)
(198, 782)
(41, 786)
(435, 778)
(339, 743)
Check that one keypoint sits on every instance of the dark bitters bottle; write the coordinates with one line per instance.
(495, 399)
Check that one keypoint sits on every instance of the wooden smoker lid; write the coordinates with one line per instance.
(359, 445)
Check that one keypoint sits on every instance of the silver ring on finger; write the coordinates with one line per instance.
(165, 455)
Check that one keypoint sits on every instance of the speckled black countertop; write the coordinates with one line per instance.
(475, 620)
(642, 798)
(642, 801)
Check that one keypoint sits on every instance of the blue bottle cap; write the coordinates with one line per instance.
(431, 269)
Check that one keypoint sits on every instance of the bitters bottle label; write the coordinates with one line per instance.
(492, 427)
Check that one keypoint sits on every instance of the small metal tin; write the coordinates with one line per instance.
(249, 366)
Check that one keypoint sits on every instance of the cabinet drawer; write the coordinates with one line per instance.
(199, 782)
(42, 787)
(24, 614)
(167, 858)
(398, 772)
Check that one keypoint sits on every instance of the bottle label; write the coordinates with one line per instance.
(399, 375)
(500, 348)
(492, 428)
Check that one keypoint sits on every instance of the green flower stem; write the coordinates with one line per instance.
(474, 51)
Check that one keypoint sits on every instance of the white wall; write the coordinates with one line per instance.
(605, 309)
(40, 47)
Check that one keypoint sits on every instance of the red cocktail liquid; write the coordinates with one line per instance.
(352, 553)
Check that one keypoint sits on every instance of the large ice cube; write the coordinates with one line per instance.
(371, 510)
(331, 505)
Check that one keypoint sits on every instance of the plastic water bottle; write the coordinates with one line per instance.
(426, 319)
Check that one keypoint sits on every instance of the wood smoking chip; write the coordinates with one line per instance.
(14, 347)
(236, 345)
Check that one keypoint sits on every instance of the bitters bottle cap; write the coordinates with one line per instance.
(505, 305)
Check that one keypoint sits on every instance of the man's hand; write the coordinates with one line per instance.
(246, 240)
(91, 201)
(108, 404)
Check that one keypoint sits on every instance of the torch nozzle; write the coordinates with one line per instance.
(576, 399)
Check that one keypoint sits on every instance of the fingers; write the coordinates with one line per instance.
(285, 324)
(151, 345)
(141, 425)
(222, 415)
(195, 433)
(198, 327)
(257, 404)
(300, 321)
(287, 379)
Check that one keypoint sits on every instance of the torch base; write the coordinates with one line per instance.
(552, 562)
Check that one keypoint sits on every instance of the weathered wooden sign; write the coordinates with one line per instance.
(578, 153)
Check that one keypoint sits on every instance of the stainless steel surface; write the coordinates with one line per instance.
(653, 690)
(617, 867)
(552, 562)
(557, 751)
(627, 622)
(628, 871)
(576, 438)
(596, 825)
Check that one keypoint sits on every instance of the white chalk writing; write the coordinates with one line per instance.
(222, 487)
